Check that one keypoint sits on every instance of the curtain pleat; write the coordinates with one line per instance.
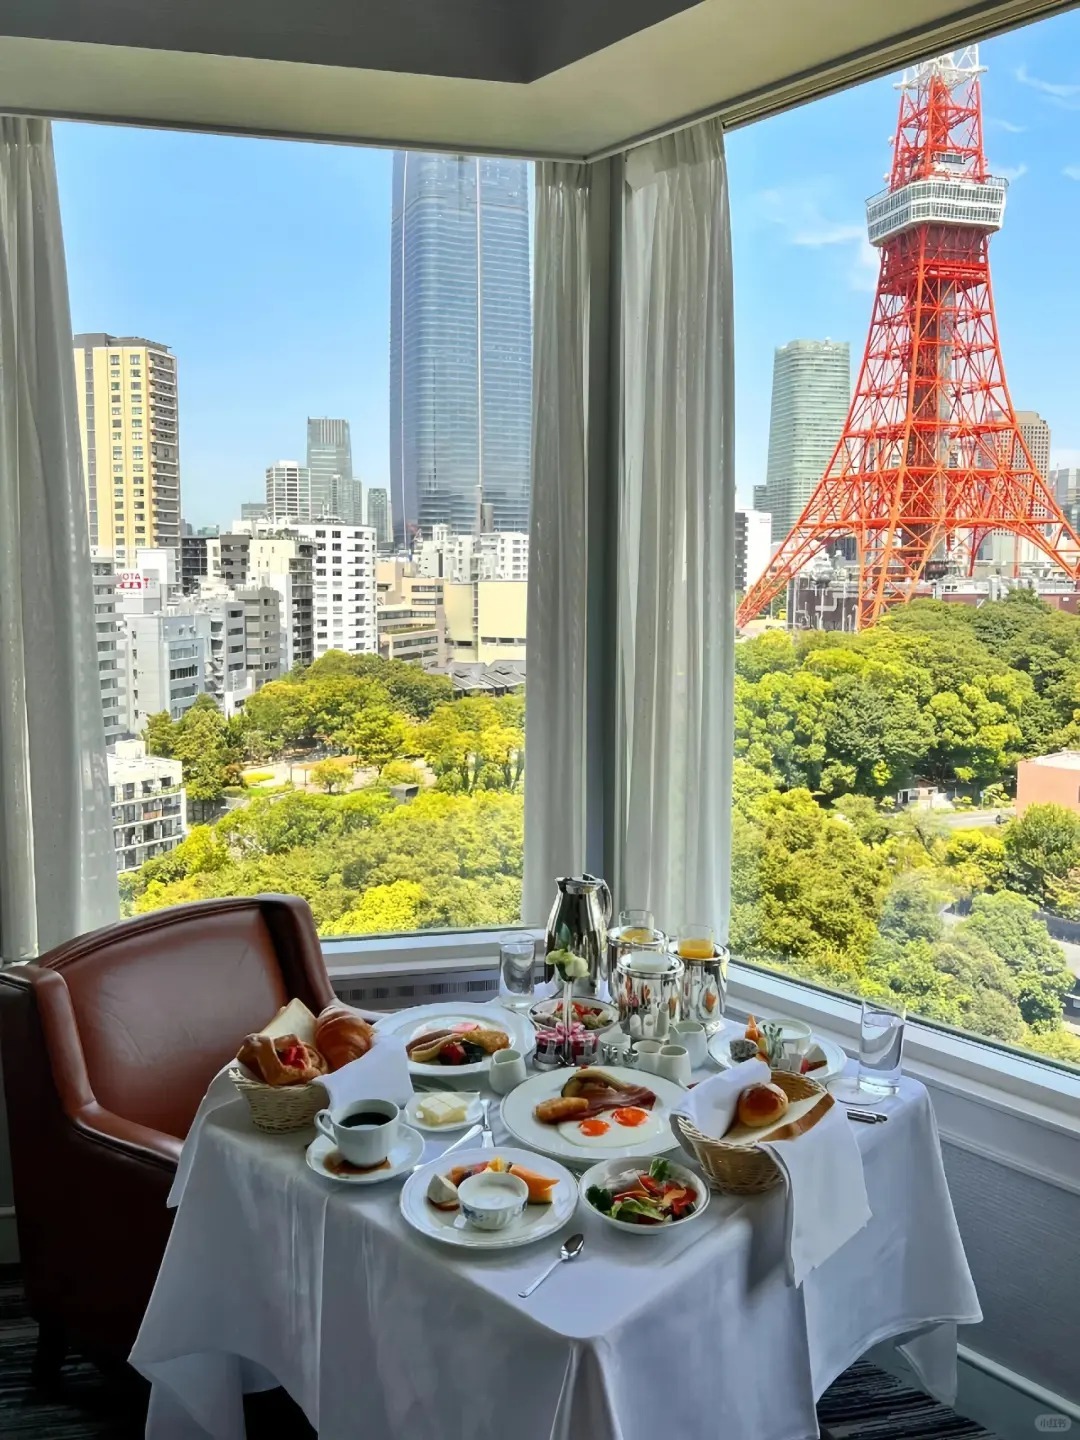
(676, 536)
(558, 545)
(57, 864)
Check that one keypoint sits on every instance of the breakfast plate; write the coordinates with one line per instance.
(833, 1055)
(566, 1141)
(597, 1015)
(410, 1025)
(535, 1222)
(405, 1152)
(473, 1111)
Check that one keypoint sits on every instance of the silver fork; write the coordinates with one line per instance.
(487, 1139)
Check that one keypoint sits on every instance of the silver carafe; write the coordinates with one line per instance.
(578, 922)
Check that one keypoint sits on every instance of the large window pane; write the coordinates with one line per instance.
(907, 816)
(304, 388)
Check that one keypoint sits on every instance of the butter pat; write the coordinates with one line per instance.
(443, 1108)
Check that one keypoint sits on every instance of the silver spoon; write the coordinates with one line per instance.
(570, 1251)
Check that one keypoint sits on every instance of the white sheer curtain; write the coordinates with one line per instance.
(57, 867)
(558, 571)
(676, 535)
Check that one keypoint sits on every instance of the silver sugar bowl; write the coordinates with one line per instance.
(703, 994)
(647, 987)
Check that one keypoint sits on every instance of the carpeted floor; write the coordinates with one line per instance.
(864, 1404)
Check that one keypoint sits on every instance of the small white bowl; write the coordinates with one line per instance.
(609, 1170)
(492, 1199)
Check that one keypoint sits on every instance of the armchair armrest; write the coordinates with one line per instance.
(137, 1142)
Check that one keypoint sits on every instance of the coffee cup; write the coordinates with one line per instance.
(364, 1131)
(507, 1071)
(648, 1055)
(795, 1036)
(691, 1033)
(673, 1063)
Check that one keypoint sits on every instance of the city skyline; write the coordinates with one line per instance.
(237, 285)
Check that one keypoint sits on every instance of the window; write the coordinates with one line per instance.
(907, 807)
(386, 724)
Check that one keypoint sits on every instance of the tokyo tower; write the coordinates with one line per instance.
(931, 459)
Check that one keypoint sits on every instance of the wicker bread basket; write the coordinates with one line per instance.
(278, 1109)
(747, 1169)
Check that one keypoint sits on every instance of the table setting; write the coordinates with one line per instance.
(487, 1214)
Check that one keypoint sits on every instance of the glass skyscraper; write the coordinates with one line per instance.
(810, 397)
(460, 344)
(329, 462)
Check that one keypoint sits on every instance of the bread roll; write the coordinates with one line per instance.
(284, 1061)
(761, 1105)
(342, 1035)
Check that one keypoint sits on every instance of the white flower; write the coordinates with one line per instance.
(577, 967)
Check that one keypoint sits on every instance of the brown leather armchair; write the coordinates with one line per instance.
(108, 1044)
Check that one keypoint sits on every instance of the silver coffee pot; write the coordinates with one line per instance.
(578, 922)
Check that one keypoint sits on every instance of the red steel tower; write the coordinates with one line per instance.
(931, 459)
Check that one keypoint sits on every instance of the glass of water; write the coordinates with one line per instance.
(881, 1045)
(516, 960)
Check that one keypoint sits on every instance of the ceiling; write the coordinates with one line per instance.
(570, 78)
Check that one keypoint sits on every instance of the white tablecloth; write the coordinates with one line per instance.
(276, 1276)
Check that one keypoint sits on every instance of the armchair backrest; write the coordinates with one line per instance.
(139, 1016)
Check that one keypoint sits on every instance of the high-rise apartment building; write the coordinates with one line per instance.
(753, 545)
(126, 394)
(288, 491)
(460, 343)
(109, 640)
(147, 796)
(1036, 436)
(810, 398)
(500, 555)
(378, 516)
(343, 583)
(334, 491)
(264, 640)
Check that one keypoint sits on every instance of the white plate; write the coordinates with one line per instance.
(518, 1107)
(534, 1223)
(609, 1170)
(472, 1115)
(835, 1059)
(407, 1150)
(408, 1024)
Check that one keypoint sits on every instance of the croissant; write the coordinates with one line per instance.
(284, 1061)
(342, 1035)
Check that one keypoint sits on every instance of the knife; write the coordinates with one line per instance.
(868, 1117)
(469, 1134)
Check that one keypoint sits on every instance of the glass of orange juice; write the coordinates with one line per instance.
(636, 927)
(697, 942)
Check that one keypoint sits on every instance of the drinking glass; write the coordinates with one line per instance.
(881, 1044)
(636, 926)
(516, 960)
(697, 942)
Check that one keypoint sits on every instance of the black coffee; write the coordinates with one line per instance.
(365, 1117)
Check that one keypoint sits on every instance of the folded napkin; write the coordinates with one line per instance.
(710, 1106)
(826, 1191)
(381, 1074)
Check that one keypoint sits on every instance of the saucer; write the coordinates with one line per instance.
(404, 1154)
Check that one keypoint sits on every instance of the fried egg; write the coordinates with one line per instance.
(606, 1132)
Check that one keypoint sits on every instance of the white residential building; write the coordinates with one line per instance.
(147, 804)
(343, 584)
(110, 643)
(165, 658)
(288, 491)
(498, 555)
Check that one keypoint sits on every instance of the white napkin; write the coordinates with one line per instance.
(710, 1106)
(381, 1074)
(826, 1191)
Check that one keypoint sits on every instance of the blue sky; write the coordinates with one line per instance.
(265, 264)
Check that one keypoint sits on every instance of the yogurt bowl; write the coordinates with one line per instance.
(492, 1199)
